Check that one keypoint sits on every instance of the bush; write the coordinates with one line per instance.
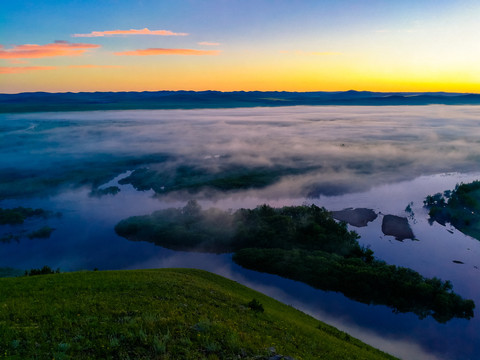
(255, 306)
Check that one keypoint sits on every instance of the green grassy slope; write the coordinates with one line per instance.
(157, 314)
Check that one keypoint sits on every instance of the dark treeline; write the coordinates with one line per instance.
(46, 270)
(303, 243)
(42, 101)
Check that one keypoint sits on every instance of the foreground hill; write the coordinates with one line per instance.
(164, 314)
(43, 101)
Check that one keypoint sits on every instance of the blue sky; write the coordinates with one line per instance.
(244, 45)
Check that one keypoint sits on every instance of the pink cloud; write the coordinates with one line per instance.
(208, 43)
(58, 48)
(162, 51)
(24, 69)
(145, 31)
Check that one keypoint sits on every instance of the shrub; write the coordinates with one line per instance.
(255, 306)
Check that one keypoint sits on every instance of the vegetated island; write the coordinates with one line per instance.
(159, 314)
(84, 101)
(17, 216)
(303, 243)
(459, 207)
(194, 178)
(20, 183)
(160, 172)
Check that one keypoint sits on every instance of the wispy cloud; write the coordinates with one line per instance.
(145, 31)
(162, 51)
(208, 43)
(23, 69)
(58, 48)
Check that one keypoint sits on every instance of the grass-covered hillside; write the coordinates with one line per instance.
(158, 314)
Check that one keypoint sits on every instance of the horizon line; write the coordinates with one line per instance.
(242, 91)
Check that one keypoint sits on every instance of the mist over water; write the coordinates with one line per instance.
(382, 158)
(322, 150)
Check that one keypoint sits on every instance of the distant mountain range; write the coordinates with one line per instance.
(43, 101)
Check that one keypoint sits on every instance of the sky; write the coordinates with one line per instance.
(232, 45)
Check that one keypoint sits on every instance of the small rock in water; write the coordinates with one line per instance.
(397, 226)
(356, 217)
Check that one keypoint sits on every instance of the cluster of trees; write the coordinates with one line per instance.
(460, 207)
(214, 230)
(303, 243)
(187, 229)
(43, 271)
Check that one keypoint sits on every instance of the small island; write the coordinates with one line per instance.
(18, 215)
(111, 190)
(459, 207)
(303, 243)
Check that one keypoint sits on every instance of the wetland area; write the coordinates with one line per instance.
(372, 166)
